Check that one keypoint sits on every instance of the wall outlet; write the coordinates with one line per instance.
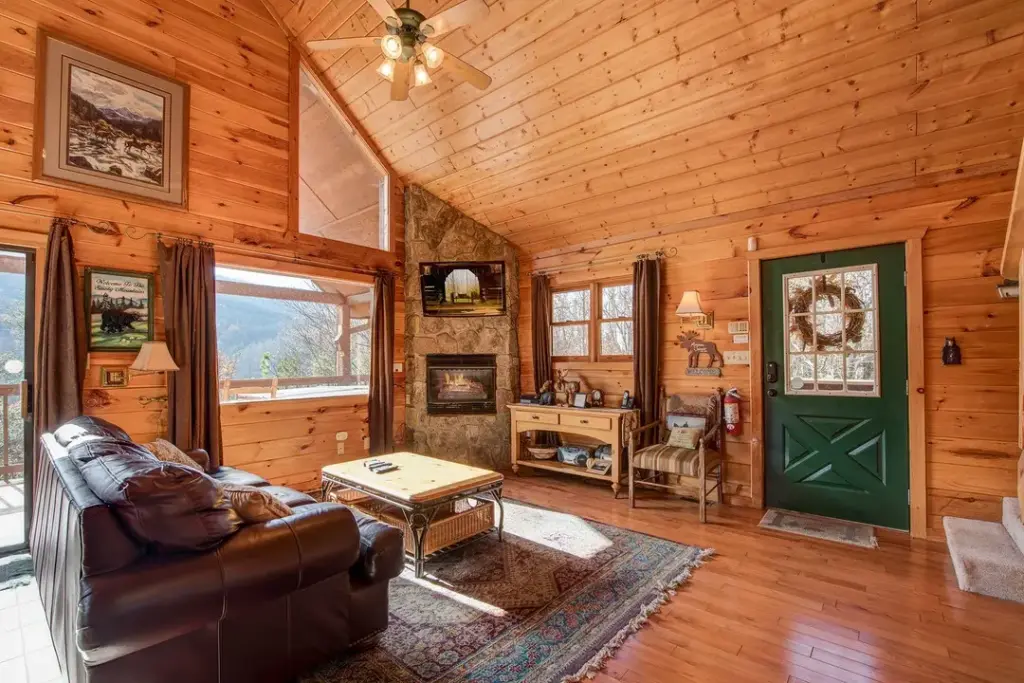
(736, 357)
(741, 339)
(398, 368)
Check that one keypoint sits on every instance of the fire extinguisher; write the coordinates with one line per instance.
(731, 406)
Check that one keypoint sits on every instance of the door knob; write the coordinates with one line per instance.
(772, 393)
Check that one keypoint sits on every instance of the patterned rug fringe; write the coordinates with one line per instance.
(596, 663)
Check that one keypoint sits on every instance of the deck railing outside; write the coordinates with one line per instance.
(12, 430)
(290, 387)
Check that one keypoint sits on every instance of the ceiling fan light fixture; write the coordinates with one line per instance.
(387, 69)
(433, 56)
(391, 46)
(420, 74)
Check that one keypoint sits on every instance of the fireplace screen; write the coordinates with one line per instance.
(460, 384)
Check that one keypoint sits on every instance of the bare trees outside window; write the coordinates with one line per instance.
(593, 322)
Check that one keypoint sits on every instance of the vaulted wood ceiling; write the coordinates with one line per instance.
(610, 120)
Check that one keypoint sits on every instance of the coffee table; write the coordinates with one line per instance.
(419, 488)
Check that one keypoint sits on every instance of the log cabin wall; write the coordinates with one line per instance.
(926, 138)
(236, 60)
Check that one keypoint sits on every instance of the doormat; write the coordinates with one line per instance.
(548, 604)
(850, 533)
(15, 570)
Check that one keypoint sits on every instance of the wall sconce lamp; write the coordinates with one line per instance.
(153, 357)
(689, 308)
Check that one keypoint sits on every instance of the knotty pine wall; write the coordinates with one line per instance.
(235, 58)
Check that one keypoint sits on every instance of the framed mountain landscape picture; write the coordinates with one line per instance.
(109, 126)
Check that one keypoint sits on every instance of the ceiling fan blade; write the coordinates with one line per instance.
(400, 81)
(454, 17)
(470, 74)
(386, 12)
(344, 43)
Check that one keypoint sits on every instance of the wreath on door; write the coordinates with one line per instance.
(801, 303)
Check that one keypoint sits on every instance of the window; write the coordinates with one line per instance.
(282, 336)
(832, 317)
(592, 323)
(343, 190)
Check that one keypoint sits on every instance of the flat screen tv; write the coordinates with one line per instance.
(463, 289)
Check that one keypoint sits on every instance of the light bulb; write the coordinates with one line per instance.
(391, 46)
(387, 69)
(420, 73)
(433, 56)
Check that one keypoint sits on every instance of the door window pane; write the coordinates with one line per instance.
(832, 332)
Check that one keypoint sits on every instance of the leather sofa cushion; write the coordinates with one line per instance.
(168, 506)
(290, 497)
(381, 549)
(230, 475)
(86, 428)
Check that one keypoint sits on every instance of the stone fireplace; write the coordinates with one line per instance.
(461, 384)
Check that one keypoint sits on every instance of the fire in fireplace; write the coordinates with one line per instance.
(460, 384)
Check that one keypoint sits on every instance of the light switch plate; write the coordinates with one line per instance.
(739, 327)
(741, 339)
(736, 357)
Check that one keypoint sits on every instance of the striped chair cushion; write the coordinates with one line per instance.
(672, 460)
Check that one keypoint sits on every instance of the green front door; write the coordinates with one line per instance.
(835, 383)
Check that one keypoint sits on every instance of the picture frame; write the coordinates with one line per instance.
(107, 126)
(118, 309)
(463, 289)
(113, 377)
(579, 400)
(600, 466)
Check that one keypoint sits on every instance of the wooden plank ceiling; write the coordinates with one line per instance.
(613, 120)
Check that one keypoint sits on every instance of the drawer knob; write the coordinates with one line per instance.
(535, 417)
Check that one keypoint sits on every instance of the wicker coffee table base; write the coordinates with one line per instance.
(419, 516)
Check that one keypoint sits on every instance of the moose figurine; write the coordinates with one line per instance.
(696, 346)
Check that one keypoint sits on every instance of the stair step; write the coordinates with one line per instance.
(985, 558)
(1012, 523)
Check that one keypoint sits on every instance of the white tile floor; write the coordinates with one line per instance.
(26, 652)
(12, 523)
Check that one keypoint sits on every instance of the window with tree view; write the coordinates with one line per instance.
(282, 336)
(592, 323)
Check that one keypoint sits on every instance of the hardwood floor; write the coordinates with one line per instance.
(773, 608)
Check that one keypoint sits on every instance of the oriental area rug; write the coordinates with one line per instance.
(549, 604)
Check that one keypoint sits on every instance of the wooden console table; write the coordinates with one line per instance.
(607, 425)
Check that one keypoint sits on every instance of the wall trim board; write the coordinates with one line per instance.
(917, 446)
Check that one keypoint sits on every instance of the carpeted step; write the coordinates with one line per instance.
(1012, 523)
(985, 559)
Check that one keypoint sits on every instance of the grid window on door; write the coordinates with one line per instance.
(832, 323)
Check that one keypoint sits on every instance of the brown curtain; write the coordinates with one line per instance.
(190, 317)
(60, 363)
(382, 355)
(540, 289)
(646, 344)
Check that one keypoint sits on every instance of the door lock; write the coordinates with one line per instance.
(771, 375)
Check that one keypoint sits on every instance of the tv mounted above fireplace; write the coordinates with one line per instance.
(461, 384)
(463, 289)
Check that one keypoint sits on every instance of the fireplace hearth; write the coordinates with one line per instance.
(461, 384)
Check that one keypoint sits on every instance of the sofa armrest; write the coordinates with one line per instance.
(381, 549)
(165, 596)
(201, 457)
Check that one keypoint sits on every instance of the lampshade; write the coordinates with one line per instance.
(689, 304)
(391, 46)
(420, 74)
(387, 69)
(433, 56)
(154, 357)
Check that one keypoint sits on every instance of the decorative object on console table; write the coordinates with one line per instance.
(698, 347)
(579, 400)
(109, 126)
(118, 309)
(951, 352)
(596, 399)
(628, 401)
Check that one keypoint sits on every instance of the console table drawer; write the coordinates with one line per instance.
(539, 417)
(588, 421)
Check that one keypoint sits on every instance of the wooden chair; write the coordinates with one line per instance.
(692, 466)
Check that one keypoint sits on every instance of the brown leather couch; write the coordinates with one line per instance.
(269, 602)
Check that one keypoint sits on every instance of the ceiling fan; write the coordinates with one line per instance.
(407, 54)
